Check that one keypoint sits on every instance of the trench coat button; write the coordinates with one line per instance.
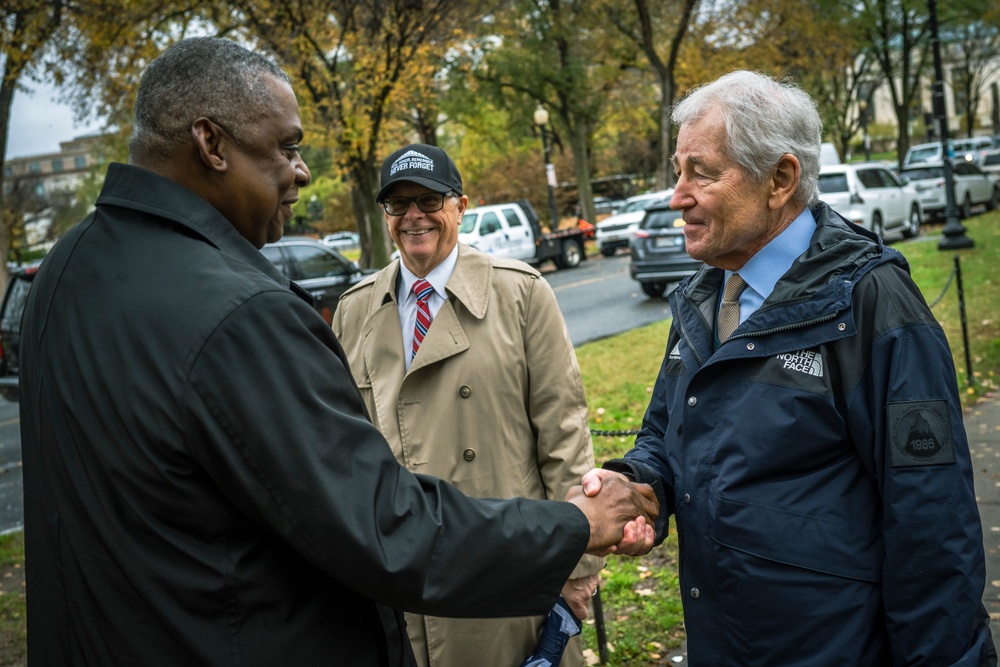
(469, 454)
(751, 346)
(695, 593)
(465, 391)
(692, 401)
(687, 498)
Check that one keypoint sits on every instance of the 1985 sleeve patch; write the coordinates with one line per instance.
(920, 434)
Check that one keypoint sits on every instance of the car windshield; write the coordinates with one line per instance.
(637, 205)
(468, 223)
(992, 159)
(924, 173)
(833, 182)
(921, 154)
(661, 219)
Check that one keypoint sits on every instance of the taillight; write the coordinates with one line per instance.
(640, 234)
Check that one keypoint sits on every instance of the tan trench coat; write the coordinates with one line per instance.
(493, 403)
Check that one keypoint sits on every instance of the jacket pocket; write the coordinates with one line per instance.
(840, 546)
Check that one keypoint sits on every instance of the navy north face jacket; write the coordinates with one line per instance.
(817, 469)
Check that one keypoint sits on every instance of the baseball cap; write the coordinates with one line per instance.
(422, 164)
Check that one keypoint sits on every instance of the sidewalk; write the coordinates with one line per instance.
(982, 425)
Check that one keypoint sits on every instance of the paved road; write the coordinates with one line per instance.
(598, 299)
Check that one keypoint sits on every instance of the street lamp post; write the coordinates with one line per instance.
(541, 118)
(954, 232)
(863, 106)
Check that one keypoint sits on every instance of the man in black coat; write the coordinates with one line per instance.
(202, 485)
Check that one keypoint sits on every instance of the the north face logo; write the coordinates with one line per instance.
(803, 361)
(411, 160)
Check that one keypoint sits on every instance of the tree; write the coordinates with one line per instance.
(976, 46)
(640, 29)
(26, 26)
(898, 34)
(350, 58)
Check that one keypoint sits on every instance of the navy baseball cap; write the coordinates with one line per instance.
(422, 164)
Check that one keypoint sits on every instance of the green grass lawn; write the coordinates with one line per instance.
(642, 607)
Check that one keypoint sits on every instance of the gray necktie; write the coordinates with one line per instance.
(729, 314)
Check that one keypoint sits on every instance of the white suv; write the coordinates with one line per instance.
(973, 187)
(614, 231)
(870, 195)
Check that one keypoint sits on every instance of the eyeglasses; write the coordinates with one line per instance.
(429, 202)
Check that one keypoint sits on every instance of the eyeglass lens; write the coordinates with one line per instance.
(428, 202)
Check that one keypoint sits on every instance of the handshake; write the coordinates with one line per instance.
(622, 514)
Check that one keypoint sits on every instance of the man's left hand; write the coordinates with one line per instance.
(577, 593)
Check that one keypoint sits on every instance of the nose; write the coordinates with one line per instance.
(302, 174)
(681, 198)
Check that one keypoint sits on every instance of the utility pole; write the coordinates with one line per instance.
(954, 231)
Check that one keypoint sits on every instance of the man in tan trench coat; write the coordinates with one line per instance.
(492, 401)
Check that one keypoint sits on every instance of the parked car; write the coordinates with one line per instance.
(929, 152)
(991, 162)
(316, 267)
(342, 240)
(614, 232)
(11, 308)
(973, 149)
(973, 187)
(870, 195)
(659, 250)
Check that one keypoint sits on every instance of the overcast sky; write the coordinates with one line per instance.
(38, 123)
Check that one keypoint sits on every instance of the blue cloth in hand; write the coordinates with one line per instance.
(559, 626)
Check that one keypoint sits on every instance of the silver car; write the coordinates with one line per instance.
(973, 187)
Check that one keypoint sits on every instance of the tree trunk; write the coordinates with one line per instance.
(375, 247)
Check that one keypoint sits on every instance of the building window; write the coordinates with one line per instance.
(8, 172)
(80, 161)
(57, 165)
(35, 168)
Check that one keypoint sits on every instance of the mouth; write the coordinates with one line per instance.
(418, 232)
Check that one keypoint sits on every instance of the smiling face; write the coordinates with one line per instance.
(265, 170)
(424, 239)
(727, 217)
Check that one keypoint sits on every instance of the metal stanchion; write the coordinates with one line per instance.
(965, 326)
(602, 635)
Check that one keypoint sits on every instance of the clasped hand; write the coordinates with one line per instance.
(621, 513)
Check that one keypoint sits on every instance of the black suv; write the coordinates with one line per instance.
(659, 254)
(11, 309)
(316, 267)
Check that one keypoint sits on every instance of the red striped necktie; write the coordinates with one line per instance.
(423, 290)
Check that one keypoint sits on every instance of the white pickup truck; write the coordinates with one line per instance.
(512, 230)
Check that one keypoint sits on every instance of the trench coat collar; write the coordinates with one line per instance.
(469, 284)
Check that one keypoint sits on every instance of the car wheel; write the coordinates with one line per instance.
(653, 290)
(877, 225)
(607, 251)
(994, 200)
(966, 210)
(569, 255)
(913, 224)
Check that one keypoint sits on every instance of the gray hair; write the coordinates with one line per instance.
(764, 119)
(201, 76)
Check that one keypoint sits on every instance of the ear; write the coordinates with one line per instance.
(210, 144)
(784, 181)
(463, 202)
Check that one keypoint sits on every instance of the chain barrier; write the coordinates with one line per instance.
(944, 291)
(597, 431)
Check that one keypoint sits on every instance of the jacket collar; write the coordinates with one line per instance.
(142, 190)
(469, 284)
